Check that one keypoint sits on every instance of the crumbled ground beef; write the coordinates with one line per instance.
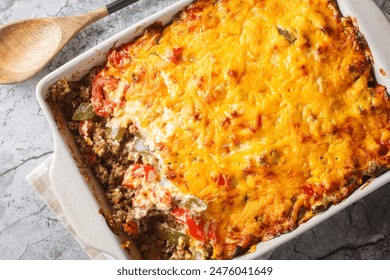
(109, 160)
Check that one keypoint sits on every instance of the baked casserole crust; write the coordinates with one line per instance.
(232, 125)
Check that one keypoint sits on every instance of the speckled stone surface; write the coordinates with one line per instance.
(28, 230)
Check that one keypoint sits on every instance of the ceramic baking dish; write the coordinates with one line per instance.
(79, 194)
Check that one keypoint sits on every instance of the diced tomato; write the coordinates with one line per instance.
(118, 58)
(308, 190)
(197, 227)
(259, 121)
(138, 171)
(180, 214)
(102, 105)
(146, 168)
(223, 180)
(176, 55)
(232, 73)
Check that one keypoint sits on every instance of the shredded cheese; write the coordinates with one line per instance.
(274, 97)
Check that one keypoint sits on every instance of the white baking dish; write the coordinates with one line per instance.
(78, 197)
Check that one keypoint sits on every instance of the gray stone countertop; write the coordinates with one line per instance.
(28, 229)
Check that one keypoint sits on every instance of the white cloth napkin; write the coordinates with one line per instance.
(40, 181)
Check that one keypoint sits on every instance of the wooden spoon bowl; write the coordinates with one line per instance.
(26, 46)
(26, 51)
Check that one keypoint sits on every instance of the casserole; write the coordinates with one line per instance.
(292, 233)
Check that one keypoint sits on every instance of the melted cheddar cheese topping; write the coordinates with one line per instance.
(264, 109)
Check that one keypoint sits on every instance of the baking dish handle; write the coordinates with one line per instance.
(79, 205)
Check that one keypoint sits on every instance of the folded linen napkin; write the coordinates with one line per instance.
(40, 181)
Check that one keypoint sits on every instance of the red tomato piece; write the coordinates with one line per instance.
(137, 171)
(118, 58)
(176, 55)
(197, 227)
(180, 214)
(102, 105)
(148, 170)
(223, 180)
(308, 190)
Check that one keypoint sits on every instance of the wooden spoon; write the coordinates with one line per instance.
(26, 46)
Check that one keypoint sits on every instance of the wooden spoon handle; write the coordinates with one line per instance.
(77, 23)
(119, 4)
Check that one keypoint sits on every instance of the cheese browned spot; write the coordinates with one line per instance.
(265, 110)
